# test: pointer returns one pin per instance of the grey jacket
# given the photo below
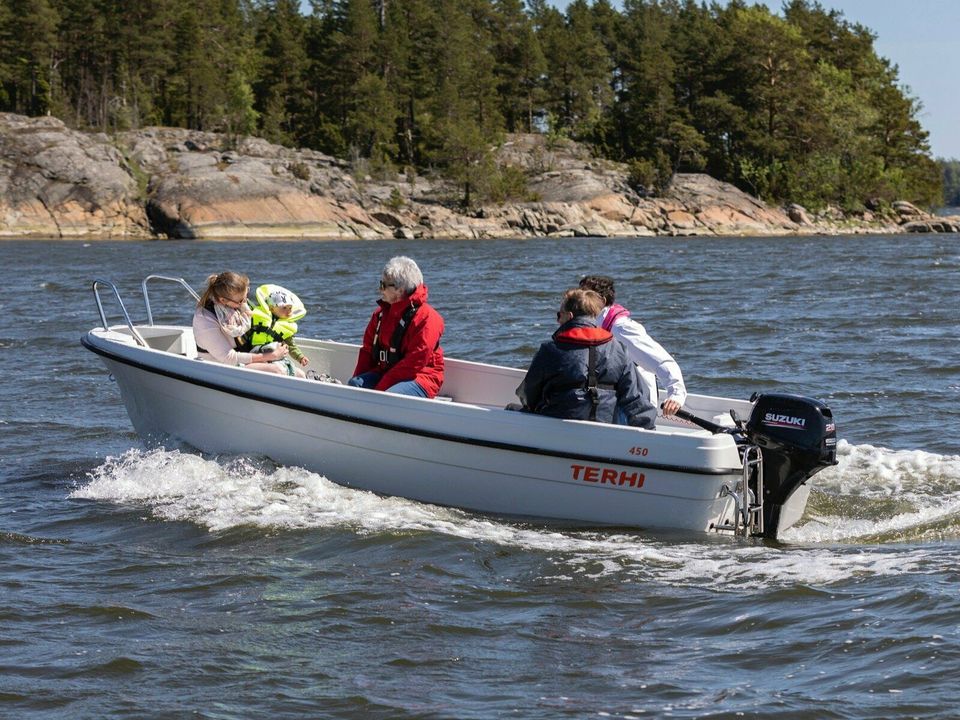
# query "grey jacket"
(556, 383)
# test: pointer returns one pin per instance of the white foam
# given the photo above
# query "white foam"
(182, 486)
(879, 472)
(229, 493)
(922, 488)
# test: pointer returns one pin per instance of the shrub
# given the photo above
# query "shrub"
(396, 200)
(300, 170)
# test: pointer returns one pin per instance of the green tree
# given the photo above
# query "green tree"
(830, 38)
(368, 105)
(951, 181)
(216, 56)
(6, 55)
(577, 85)
(767, 76)
(321, 126)
(371, 119)
(28, 40)
(909, 172)
(646, 103)
(519, 64)
(280, 87)
(463, 121)
(415, 34)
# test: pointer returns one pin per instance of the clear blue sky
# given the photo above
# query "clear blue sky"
(921, 38)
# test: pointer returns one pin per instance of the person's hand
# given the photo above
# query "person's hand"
(304, 361)
(279, 353)
(669, 407)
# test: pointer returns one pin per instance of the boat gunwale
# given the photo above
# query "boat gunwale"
(395, 427)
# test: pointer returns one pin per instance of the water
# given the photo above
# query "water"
(158, 583)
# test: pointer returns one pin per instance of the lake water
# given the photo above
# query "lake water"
(140, 583)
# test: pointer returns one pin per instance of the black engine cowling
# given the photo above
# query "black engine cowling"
(797, 437)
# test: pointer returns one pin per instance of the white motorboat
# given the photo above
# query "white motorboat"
(464, 449)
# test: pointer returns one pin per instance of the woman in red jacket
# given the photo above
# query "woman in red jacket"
(401, 350)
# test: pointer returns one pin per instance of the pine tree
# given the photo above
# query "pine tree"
(321, 124)
(413, 38)
(27, 55)
(7, 63)
(369, 107)
(519, 64)
(463, 121)
(646, 99)
(577, 85)
(210, 86)
(280, 88)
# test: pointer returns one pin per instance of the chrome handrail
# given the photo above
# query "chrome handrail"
(753, 506)
(146, 296)
(748, 504)
(103, 317)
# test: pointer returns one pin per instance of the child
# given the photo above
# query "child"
(274, 320)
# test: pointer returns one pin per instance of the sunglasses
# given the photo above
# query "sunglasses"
(384, 286)
(224, 300)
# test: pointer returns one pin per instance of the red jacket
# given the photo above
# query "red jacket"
(421, 355)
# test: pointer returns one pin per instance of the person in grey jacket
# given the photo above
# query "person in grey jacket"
(582, 372)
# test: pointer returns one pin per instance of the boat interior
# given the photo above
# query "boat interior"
(484, 385)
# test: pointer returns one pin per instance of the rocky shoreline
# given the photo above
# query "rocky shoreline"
(161, 183)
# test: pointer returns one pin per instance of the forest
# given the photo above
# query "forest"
(792, 107)
(951, 182)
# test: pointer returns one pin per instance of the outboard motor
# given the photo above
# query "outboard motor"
(797, 438)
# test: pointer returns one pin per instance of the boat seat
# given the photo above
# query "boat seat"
(188, 344)
(178, 342)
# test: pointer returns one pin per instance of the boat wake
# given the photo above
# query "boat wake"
(873, 497)
(879, 495)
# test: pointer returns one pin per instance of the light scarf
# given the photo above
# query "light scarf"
(232, 322)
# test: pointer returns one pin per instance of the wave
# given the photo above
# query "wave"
(878, 495)
(872, 498)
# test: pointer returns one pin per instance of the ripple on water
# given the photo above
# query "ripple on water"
(362, 606)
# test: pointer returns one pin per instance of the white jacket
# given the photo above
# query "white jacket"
(653, 362)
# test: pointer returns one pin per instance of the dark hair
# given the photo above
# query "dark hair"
(601, 284)
(582, 302)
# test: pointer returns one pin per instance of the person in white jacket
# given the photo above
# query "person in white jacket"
(654, 364)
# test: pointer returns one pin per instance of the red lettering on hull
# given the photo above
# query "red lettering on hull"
(601, 475)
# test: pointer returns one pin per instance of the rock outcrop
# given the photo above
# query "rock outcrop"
(55, 182)
(255, 189)
(168, 182)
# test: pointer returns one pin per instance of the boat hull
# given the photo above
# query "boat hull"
(465, 455)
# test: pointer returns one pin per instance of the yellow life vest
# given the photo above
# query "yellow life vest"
(265, 327)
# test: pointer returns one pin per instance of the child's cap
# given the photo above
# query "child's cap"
(279, 297)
